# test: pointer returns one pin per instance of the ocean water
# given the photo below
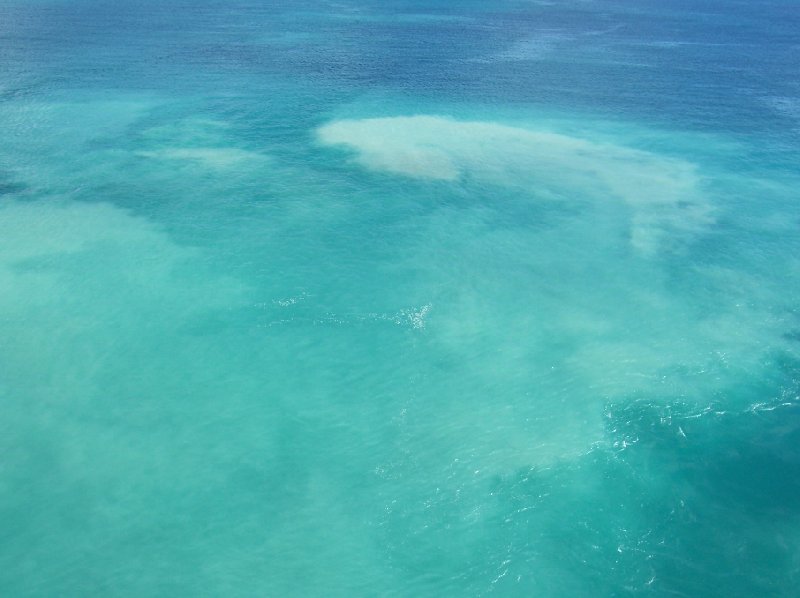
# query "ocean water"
(400, 298)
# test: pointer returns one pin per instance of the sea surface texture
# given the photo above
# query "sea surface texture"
(399, 298)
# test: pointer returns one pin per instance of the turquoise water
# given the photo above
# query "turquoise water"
(399, 299)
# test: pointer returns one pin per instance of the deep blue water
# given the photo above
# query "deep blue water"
(399, 298)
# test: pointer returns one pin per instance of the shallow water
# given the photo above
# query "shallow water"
(403, 298)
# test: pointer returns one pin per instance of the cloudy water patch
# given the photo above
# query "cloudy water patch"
(664, 193)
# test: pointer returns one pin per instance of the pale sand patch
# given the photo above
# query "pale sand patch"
(60, 253)
(663, 192)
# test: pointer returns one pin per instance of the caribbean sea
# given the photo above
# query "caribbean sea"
(411, 298)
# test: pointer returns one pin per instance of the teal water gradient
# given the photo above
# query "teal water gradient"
(399, 299)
